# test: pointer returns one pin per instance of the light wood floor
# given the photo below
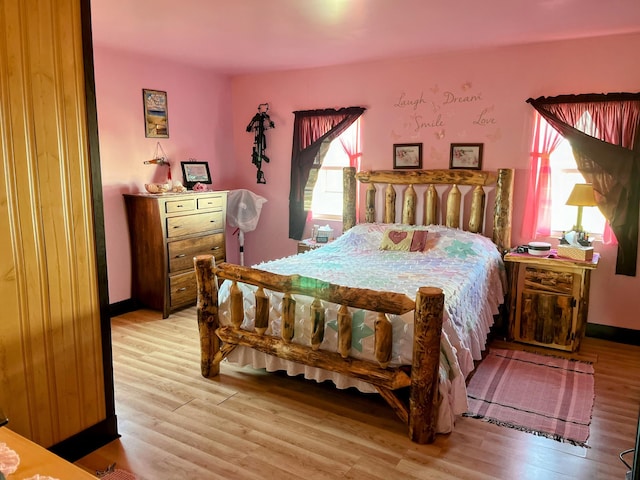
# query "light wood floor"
(247, 424)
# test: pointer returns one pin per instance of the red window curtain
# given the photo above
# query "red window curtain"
(611, 162)
(350, 142)
(310, 129)
(537, 213)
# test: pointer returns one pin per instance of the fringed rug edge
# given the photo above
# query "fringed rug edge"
(522, 428)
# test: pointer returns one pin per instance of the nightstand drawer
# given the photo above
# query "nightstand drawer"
(551, 281)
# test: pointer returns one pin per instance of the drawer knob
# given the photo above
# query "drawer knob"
(182, 289)
(215, 248)
(181, 255)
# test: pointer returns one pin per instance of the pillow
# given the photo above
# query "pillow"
(404, 240)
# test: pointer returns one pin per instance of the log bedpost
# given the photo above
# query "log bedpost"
(383, 339)
(409, 206)
(349, 192)
(236, 301)
(288, 317)
(344, 331)
(427, 329)
(261, 322)
(453, 207)
(317, 323)
(476, 219)
(389, 204)
(370, 215)
(207, 313)
(502, 211)
(430, 206)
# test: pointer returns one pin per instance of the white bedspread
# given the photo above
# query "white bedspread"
(466, 266)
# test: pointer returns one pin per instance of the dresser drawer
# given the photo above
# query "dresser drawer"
(189, 224)
(207, 203)
(182, 289)
(172, 206)
(181, 252)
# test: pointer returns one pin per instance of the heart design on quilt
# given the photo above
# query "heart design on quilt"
(396, 237)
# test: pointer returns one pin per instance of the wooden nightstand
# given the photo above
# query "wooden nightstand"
(308, 244)
(548, 300)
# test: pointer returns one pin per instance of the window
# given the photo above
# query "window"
(327, 194)
(564, 175)
(327, 198)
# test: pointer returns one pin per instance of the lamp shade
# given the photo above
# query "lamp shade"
(582, 196)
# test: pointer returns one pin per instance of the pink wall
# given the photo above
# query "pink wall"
(475, 96)
(199, 112)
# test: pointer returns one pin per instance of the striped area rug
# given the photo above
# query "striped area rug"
(112, 473)
(548, 396)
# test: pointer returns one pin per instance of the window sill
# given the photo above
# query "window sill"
(594, 237)
(331, 218)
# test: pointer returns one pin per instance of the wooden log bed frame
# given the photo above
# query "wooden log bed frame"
(420, 411)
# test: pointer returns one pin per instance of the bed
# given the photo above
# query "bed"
(398, 304)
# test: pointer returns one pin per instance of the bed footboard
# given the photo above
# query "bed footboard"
(217, 341)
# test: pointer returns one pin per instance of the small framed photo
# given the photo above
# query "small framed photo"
(466, 155)
(407, 155)
(156, 119)
(195, 172)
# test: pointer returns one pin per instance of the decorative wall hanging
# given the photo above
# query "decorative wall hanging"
(259, 123)
(466, 155)
(160, 159)
(156, 122)
(407, 155)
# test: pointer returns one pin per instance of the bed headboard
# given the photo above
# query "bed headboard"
(501, 183)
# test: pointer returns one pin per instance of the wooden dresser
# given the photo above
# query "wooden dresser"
(166, 232)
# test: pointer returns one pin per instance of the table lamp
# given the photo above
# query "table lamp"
(581, 196)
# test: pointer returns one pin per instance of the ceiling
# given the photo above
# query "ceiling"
(252, 36)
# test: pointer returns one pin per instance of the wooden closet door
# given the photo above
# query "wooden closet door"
(52, 383)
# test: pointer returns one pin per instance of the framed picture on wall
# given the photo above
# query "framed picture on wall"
(195, 172)
(407, 155)
(466, 155)
(156, 115)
